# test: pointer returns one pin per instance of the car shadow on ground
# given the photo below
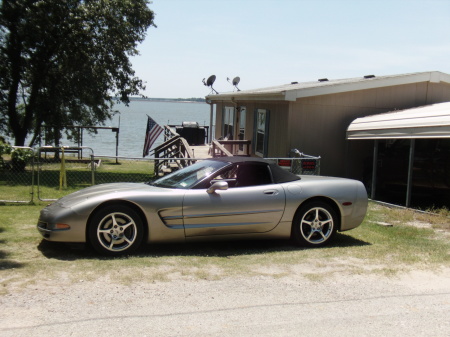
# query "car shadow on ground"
(62, 251)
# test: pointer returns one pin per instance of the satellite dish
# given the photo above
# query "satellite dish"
(235, 82)
(209, 82)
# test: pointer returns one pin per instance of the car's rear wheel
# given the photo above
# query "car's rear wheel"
(315, 224)
(115, 230)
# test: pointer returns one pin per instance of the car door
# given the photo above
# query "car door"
(249, 209)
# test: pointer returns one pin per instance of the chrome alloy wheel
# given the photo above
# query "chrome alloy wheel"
(317, 225)
(116, 232)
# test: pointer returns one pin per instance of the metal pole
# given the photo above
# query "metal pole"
(32, 174)
(117, 142)
(39, 172)
(80, 141)
(374, 169)
(410, 172)
(92, 169)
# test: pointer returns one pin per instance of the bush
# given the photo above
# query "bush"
(20, 158)
(5, 148)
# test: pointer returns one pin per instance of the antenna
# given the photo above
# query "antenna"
(209, 83)
(235, 82)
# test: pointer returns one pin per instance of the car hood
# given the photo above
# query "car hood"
(105, 191)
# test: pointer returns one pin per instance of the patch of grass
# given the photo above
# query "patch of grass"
(403, 242)
(27, 259)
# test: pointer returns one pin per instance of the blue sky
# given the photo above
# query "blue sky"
(273, 42)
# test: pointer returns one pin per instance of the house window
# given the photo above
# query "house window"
(242, 119)
(228, 123)
(262, 132)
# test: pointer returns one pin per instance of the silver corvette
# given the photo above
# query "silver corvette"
(221, 198)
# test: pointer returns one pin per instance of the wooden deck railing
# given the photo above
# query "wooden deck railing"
(218, 150)
(175, 153)
(221, 148)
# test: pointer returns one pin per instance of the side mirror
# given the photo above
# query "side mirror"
(218, 185)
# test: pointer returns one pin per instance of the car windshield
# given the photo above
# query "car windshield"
(189, 176)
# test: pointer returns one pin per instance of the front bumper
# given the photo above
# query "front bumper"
(49, 218)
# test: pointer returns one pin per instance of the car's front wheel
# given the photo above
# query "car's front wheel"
(315, 224)
(116, 230)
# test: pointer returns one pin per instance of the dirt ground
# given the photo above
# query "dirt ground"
(415, 303)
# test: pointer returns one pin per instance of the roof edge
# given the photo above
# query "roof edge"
(293, 92)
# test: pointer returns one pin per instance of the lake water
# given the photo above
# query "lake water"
(132, 121)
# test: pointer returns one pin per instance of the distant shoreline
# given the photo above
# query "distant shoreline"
(172, 100)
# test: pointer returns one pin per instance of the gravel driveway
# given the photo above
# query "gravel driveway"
(410, 304)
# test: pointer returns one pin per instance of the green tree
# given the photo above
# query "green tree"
(64, 62)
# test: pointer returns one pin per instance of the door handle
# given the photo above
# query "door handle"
(270, 192)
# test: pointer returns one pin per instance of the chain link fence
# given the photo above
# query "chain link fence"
(120, 169)
(16, 174)
(62, 170)
(57, 177)
(51, 173)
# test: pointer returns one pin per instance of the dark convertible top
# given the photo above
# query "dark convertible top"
(279, 175)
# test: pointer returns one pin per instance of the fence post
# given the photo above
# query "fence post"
(93, 169)
(33, 172)
(62, 172)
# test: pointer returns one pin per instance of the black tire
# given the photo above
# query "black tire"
(315, 224)
(116, 230)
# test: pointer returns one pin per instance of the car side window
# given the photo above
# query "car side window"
(242, 175)
(229, 176)
(253, 174)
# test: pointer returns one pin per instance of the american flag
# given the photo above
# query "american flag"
(152, 133)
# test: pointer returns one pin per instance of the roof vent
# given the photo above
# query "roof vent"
(369, 76)
(294, 82)
(323, 79)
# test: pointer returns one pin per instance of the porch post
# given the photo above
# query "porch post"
(410, 172)
(210, 121)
